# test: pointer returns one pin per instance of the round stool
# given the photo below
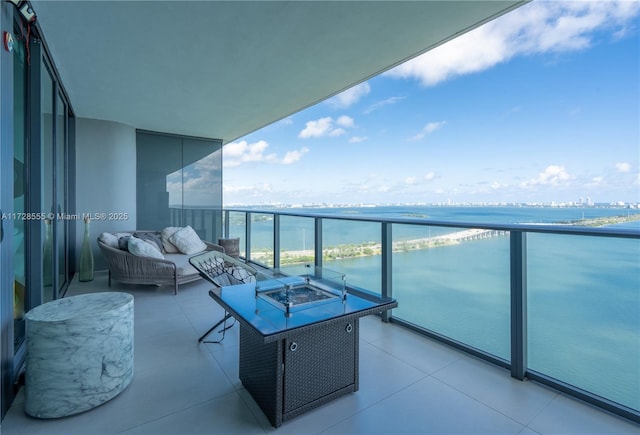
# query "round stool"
(79, 353)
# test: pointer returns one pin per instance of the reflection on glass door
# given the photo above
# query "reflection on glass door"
(19, 145)
(46, 187)
(60, 195)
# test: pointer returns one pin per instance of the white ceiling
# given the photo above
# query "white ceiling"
(224, 69)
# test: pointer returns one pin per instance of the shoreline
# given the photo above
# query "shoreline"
(368, 249)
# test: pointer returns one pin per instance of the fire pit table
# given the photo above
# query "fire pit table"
(298, 338)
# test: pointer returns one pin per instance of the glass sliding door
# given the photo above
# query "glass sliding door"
(19, 185)
(60, 191)
(35, 118)
(47, 186)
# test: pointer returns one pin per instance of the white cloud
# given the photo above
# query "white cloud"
(379, 104)
(350, 96)
(260, 187)
(433, 126)
(553, 175)
(357, 139)
(410, 180)
(326, 127)
(429, 176)
(317, 128)
(237, 153)
(294, 156)
(345, 121)
(428, 129)
(285, 121)
(536, 28)
(623, 167)
(210, 163)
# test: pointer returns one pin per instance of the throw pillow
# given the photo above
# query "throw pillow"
(187, 241)
(109, 240)
(142, 249)
(151, 238)
(165, 234)
(123, 241)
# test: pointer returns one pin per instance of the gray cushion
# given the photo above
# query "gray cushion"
(151, 238)
(181, 261)
(142, 249)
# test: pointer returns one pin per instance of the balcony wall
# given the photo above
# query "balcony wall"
(105, 177)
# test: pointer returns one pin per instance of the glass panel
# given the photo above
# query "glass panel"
(297, 240)
(19, 144)
(179, 183)
(583, 316)
(202, 187)
(455, 282)
(159, 181)
(262, 238)
(61, 229)
(47, 187)
(237, 228)
(353, 248)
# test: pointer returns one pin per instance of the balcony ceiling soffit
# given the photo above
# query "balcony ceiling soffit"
(224, 69)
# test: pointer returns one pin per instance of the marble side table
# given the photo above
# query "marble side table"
(79, 353)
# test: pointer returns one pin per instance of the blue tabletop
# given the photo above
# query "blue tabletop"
(269, 318)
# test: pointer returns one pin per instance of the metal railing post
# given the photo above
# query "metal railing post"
(518, 255)
(387, 263)
(276, 241)
(226, 223)
(317, 234)
(247, 236)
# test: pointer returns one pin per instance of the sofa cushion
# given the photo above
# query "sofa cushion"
(183, 267)
(109, 240)
(165, 234)
(142, 249)
(123, 240)
(187, 241)
(152, 238)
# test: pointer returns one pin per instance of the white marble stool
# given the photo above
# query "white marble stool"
(79, 353)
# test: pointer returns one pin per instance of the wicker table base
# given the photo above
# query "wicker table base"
(301, 371)
(296, 357)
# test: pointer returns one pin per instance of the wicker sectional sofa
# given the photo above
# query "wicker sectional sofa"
(174, 269)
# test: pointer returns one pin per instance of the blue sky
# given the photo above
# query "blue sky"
(540, 105)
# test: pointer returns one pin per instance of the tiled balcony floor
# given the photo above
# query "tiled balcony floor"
(408, 384)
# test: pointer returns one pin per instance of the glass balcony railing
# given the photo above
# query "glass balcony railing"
(431, 276)
(353, 247)
(556, 304)
(297, 241)
(583, 328)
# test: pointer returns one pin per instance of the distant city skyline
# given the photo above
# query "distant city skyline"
(540, 105)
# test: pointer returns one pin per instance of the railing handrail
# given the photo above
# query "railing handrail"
(628, 233)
